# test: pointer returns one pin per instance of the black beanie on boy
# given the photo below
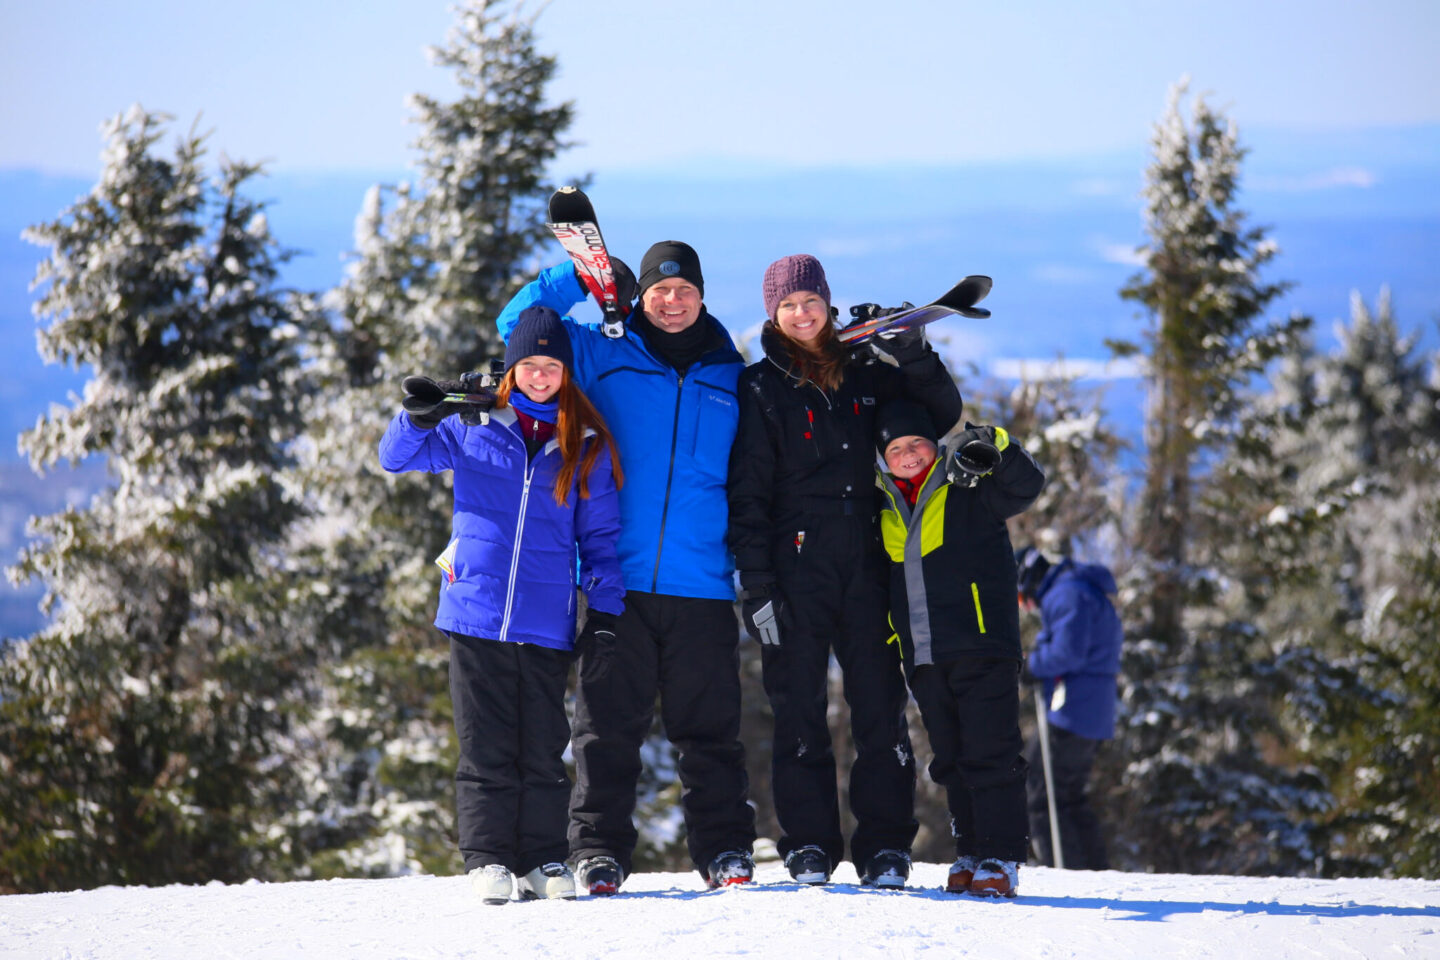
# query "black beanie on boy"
(902, 418)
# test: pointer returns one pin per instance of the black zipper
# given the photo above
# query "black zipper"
(669, 481)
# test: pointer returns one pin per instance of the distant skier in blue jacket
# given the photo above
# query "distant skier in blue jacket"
(667, 387)
(533, 487)
(1077, 656)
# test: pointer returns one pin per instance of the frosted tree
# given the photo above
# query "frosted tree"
(1201, 289)
(143, 732)
(1080, 511)
(435, 262)
(1353, 530)
(1199, 791)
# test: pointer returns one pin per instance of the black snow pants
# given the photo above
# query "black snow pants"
(833, 579)
(1071, 758)
(971, 711)
(685, 650)
(511, 788)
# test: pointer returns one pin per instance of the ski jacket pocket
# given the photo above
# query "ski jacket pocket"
(717, 416)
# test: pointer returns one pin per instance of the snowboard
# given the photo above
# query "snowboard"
(958, 301)
(572, 221)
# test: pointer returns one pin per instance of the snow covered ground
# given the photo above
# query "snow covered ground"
(658, 916)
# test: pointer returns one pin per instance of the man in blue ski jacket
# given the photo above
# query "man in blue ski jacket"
(1077, 657)
(666, 389)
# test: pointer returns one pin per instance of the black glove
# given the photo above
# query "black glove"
(596, 643)
(625, 285)
(977, 449)
(762, 608)
(905, 346)
(480, 396)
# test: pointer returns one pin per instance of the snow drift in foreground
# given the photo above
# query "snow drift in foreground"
(662, 915)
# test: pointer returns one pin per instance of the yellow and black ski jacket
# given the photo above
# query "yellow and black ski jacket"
(952, 571)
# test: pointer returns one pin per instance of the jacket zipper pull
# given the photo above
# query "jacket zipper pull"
(810, 418)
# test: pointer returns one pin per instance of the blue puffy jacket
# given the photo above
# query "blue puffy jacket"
(1078, 648)
(674, 435)
(509, 571)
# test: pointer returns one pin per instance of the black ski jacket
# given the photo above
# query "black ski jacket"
(952, 572)
(802, 453)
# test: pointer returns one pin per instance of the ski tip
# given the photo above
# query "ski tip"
(568, 190)
(979, 283)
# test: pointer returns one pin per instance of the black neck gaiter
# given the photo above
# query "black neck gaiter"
(680, 350)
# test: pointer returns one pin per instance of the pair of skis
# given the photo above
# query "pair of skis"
(572, 220)
(473, 394)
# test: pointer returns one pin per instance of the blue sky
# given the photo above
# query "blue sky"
(719, 86)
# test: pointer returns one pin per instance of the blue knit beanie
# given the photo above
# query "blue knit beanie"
(539, 333)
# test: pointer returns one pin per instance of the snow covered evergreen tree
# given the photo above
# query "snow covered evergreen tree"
(1063, 426)
(1350, 549)
(430, 275)
(143, 731)
(1200, 792)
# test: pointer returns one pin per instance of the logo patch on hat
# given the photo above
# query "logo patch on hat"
(670, 268)
(542, 341)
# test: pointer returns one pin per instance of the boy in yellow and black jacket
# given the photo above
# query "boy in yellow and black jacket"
(954, 610)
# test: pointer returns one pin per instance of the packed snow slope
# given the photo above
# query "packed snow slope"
(1115, 916)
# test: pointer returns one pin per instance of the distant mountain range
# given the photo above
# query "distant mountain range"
(1351, 210)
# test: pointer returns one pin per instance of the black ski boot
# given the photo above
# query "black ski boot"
(808, 865)
(888, 870)
(729, 868)
(600, 876)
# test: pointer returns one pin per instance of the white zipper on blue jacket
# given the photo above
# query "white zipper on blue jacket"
(515, 557)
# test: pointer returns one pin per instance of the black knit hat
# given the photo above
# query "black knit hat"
(667, 259)
(1031, 567)
(539, 333)
(902, 418)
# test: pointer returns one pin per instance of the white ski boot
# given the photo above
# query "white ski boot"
(491, 883)
(553, 881)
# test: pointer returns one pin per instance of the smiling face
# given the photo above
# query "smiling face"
(909, 457)
(672, 305)
(539, 377)
(802, 315)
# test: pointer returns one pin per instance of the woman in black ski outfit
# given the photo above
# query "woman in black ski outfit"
(813, 575)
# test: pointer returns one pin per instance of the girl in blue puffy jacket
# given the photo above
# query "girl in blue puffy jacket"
(534, 486)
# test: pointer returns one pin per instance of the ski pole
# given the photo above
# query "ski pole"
(1043, 722)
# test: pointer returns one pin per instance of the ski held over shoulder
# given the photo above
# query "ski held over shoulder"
(958, 301)
(572, 221)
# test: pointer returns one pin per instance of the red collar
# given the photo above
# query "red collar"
(533, 430)
(909, 489)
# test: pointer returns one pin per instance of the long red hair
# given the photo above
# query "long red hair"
(576, 414)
